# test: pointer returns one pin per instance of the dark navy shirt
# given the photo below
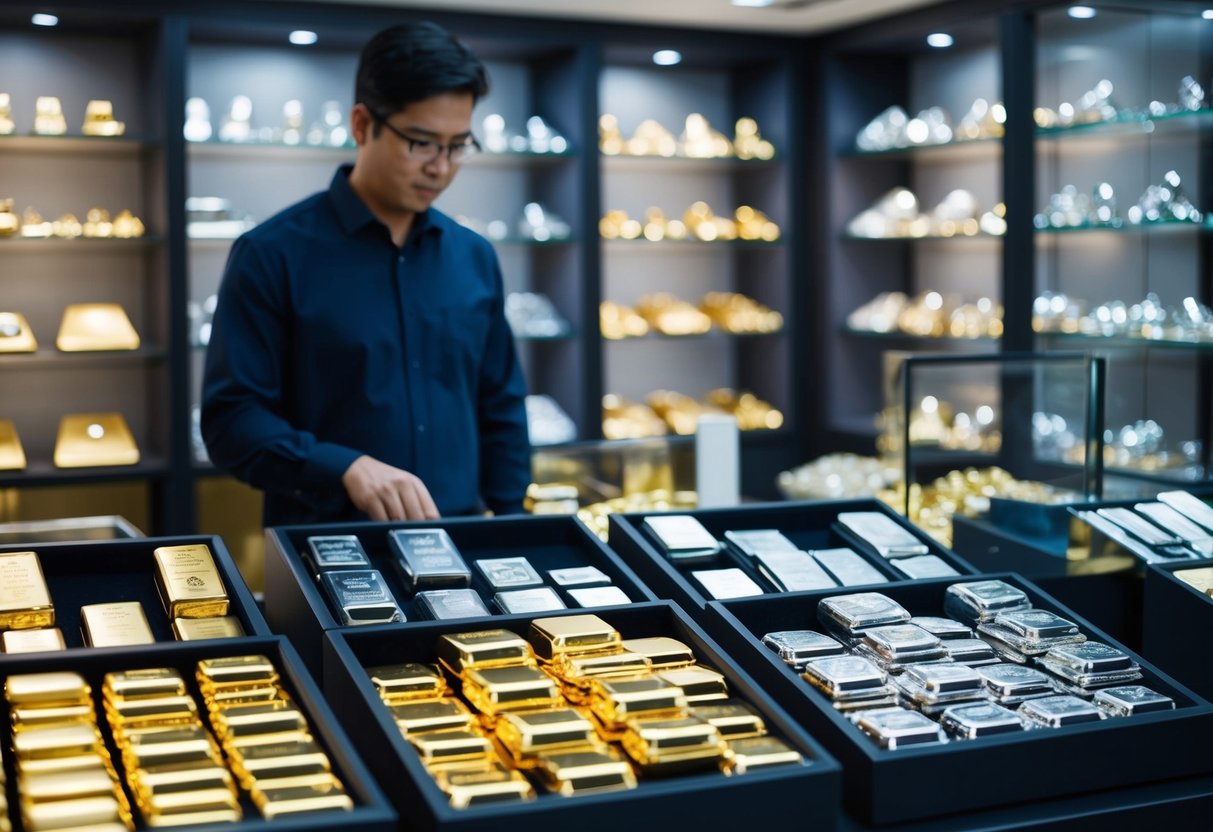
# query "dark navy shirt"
(330, 342)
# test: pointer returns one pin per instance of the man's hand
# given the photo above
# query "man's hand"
(387, 493)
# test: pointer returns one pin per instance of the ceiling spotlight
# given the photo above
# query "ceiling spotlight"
(940, 40)
(667, 57)
(302, 37)
(44, 20)
(752, 4)
(1081, 12)
(1207, 14)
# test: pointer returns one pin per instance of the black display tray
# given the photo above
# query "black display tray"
(297, 607)
(103, 571)
(1176, 622)
(810, 525)
(926, 781)
(808, 793)
(371, 812)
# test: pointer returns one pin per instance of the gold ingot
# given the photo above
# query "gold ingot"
(81, 813)
(732, 718)
(671, 316)
(460, 652)
(195, 629)
(10, 223)
(617, 321)
(189, 583)
(403, 682)
(97, 223)
(758, 753)
(455, 745)
(552, 637)
(99, 119)
(115, 624)
(525, 735)
(495, 690)
(431, 715)
(699, 684)
(48, 116)
(92, 782)
(34, 226)
(153, 682)
(67, 227)
(94, 439)
(15, 333)
(235, 672)
(60, 687)
(277, 803)
(127, 226)
(96, 327)
(572, 773)
(25, 603)
(622, 419)
(49, 742)
(653, 740)
(31, 641)
(492, 783)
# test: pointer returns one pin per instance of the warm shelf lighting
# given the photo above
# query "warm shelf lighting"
(940, 40)
(1081, 12)
(667, 57)
(41, 19)
(752, 4)
(302, 37)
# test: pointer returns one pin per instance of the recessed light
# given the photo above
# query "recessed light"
(1081, 12)
(1207, 14)
(752, 4)
(667, 57)
(302, 37)
(44, 20)
(940, 40)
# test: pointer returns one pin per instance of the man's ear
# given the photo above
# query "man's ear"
(361, 124)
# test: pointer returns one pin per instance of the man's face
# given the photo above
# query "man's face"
(408, 168)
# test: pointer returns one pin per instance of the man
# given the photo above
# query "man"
(360, 364)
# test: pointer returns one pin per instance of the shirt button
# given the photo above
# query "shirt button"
(416, 365)
(421, 428)
(400, 259)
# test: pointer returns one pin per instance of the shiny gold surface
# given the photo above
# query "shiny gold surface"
(195, 629)
(33, 641)
(60, 687)
(551, 637)
(25, 601)
(754, 753)
(452, 745)
(96, 327)
(430, 715)
(492, 690)
(84, 812)
(12, 455)
(15, 333)
(271, 718)
(57, 741)
(99, 119)
(145, 682)
(401, 682)
(491, 784)
(152, 710)
(483, 648)
(115, 625)
(526, 734)
(699, 684)
(572, 773)
(276, 803)
(614, 702)
(732, 718)
(662, 652)
(94, 782)
(189, 582)
(94, 439)
(231, 672)
(25, 717)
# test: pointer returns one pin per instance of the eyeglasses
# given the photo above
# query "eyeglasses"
(424, 150)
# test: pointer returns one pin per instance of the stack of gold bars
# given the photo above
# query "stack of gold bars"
(65, 776)
(578, 708)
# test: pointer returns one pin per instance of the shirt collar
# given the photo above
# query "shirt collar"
(353, 214)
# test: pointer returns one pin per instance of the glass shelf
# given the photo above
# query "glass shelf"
(1132, 125)
(1129, 341)
(906, 336)
(76, 144)
(926, 237)
(682, 164)
(45, 473)
(1166, 226)
(713, 333)
(970, 150)
(44, 358)
(78, 244)
(650, 246)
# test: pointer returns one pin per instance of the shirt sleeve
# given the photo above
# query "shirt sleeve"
(505, 450)
(244, 420)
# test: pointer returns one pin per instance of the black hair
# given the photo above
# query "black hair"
(412, 62)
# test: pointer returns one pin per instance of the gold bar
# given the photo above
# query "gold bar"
(236, 672)
(152, 682)
(88, 440)
(196, 818)
(173, 747)
(700, 684)
(238, 745)
(90, 782)
(401, 682)
(448, 746)
(584, 772)
(55, 765)
(25, 600)
(90, 327)
(484, 648)
(94, 827)
(753, 753)
(81, 812)
(196, 629)
(652, 740)
(152, 710)
(279, 760)
(492, 690)
(115, 625)
(15, 333)
(179, 802)
(732, 718)
(276, 803)
(60, 687)
(188, 582)
(270, 718)
(164, 781)
(12, 455)
(57, 741)
(572, 634)
(473, 787)
(579, 669)
(662, 652)
(530, 733)
(25, 717)
(614, 702)
(224, 699)
(33, 641)
(431, 715)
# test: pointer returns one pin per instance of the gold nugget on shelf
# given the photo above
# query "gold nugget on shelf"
(67, 227)
(33, 225)
(12, 455)
(702, 224)
(15, 334)
(700, 141)
(651, 139)
(7, 126)
(617, 225)
(617, 321)
(86, 440)
(671, 316)
(99, 119)
(680, 411)
(736, 313)
(96, 327)
(610, 138)
(748, 143)
(48, 116)
(97, 223)
(127, 226)
(10, 223)
(755, 225)
(623, 419)
(751, 412)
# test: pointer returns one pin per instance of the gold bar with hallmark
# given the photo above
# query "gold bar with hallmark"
(700, 684)
(277, 803)
(492, 784)
(572, 773)
(25, 600)
(150, 682)
(196, 629)
(663, 653)
(615, 701)
(755, 753)
(528, 734)
(492, 690)
(189, 582)
(573, 634)
(231, 672)
(436, 747)
(733, 718)
(402, 682)
(483, 648)
(25, 717)
(115, 625)
(57, 687)
(33, 641)
(431, 715)
(249, 720)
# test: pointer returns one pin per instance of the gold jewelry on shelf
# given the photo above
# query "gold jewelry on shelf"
(67, 227)
(736, 313)
(127, 226)
(32, 224)
(707, 226)
(10, 223)
(7, 126)
(48, 116)
(92, 327)
(15, 334)
(97, 223)
(680, 411)
(12, 455)
(610, 139)
(623, 419)
(755, 225)
(99, 119)
(618, 321)
(700, 141)
(651, 139)
(671, 316)
(748, 143)
(751, 412)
